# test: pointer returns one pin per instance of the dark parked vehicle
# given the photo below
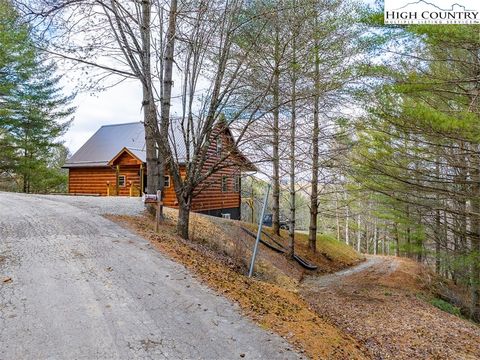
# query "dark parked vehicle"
(268, 221)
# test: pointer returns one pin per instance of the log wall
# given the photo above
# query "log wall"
(208, 196)
(94, 180)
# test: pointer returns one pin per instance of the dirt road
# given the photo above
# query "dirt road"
(381, 303)
(319, 282)
(74, 285)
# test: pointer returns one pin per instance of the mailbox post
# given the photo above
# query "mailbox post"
(159, 209)
(157, 200)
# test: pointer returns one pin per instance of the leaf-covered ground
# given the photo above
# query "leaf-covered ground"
(379, 309)
(384, 307)
(278, 308)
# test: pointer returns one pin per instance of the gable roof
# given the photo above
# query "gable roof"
(109, 140)
(134, 153)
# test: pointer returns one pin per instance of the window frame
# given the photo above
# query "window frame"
(224, 178)
(164, 181)
(124, 181)
(236, 183)
(219, 145)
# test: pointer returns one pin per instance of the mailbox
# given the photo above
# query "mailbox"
(149, 198)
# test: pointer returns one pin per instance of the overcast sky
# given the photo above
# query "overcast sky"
(120, 104)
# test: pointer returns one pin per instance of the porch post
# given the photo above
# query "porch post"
(142, 185)
(117, 173)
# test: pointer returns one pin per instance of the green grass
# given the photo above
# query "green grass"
(445, 306)
(328, 246)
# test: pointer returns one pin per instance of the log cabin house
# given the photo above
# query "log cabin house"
(113, 163)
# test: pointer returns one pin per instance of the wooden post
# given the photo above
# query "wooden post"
(131, 188)
(159, 208)
(108, 188)
(117, 173)
(142, 185)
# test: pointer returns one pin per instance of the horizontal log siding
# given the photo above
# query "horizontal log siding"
(209, 194)
(94, 180)
(169, 196)
(126, 159)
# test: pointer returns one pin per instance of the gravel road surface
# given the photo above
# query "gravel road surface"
(316, 281)
(74, 285)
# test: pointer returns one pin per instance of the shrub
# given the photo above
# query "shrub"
(445, 306)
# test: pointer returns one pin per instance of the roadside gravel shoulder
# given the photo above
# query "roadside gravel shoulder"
(100, 205)
(83, 287)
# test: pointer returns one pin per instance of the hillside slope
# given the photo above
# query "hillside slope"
(218, 254)
(386, 307)
(374, 309)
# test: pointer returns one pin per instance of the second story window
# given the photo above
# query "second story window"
(224, 183)
(236, 183)
(219, 146)
(167, 181)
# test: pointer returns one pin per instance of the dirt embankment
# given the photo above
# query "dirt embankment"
(376, 309)
(277, 307)
(385, 307)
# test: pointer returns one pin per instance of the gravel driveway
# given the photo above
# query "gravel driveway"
(319, 282)
(74, 285)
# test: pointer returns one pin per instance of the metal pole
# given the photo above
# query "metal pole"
(260, 224)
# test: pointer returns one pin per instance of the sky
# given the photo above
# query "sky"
(119, 104)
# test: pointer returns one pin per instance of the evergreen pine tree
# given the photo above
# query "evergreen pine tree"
(33, 109)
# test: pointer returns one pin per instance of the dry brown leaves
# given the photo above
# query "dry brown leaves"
(273, 307)
(383, 308)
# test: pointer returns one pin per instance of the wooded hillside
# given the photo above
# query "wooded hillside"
(378, 126)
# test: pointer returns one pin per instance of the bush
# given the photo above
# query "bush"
(445, 306)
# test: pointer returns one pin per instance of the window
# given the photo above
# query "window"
(226, 216)
(219, 146)
(236, 183)
(167, 181)
(224, 184)
(122, 180)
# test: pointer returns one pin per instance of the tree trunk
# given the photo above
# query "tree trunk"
(475, 240)
(383, 241)
(276, 139)
(337, 219)
(253, 203)
(375, 238)
(150, 124)
(183, 217)
(409, 238)
(25, 183)
(397, 240)
(359, 235)
(293, 120)
(437, 242)
(164, 153)
(148, 104)
(312, 230)
(347, 224)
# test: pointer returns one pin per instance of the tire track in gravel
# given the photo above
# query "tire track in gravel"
(83, 287)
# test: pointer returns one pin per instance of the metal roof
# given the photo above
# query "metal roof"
(107, 142)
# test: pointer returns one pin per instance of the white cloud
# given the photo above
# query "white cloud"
(119, 104)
